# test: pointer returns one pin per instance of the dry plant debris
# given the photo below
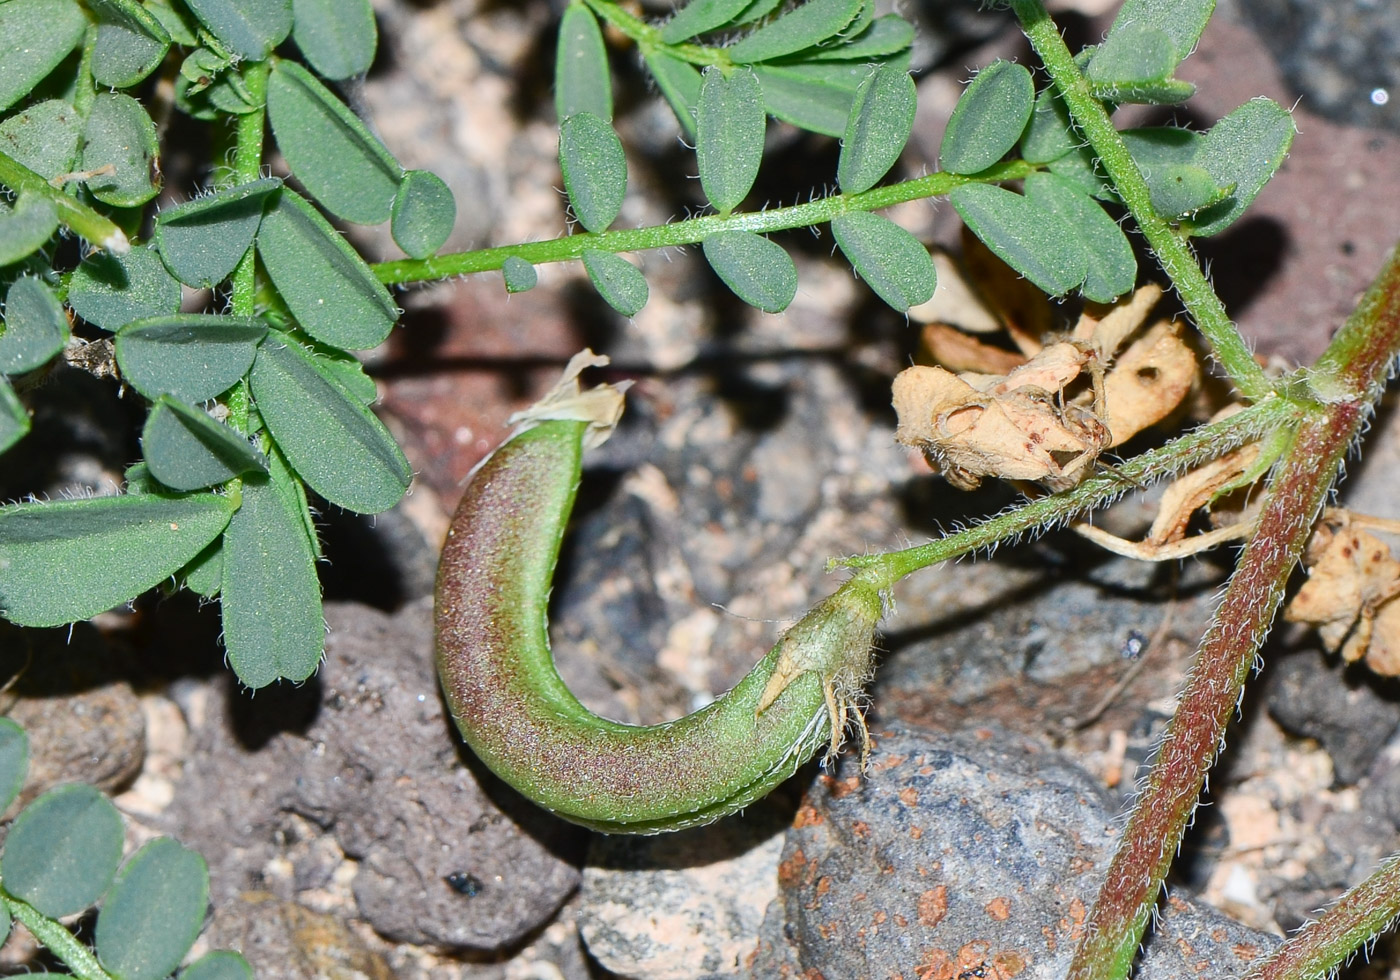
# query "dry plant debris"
(1044, 414)
(1349, 596)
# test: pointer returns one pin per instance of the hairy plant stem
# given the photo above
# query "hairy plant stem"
(1354, 368)
(77, 217)
(247, 167)
(1195, 448)
(1172, 248)
(691, 230)
(648, 38)
(57, 939)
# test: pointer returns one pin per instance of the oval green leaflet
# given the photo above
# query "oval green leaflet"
(758, 271)
(594, 168)
(329, 149)
(881, 119)
(893, 263)
(989, 118)
(729, 128)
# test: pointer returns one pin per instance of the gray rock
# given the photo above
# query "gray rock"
(376, 766)
(976, 854)
(1315, 697)
(682, 906)
(1342, 55)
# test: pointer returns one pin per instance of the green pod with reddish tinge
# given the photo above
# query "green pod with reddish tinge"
(519, 717)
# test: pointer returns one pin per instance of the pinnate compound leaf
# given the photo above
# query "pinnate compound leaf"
(729, 135)
(67, 561)
(50, 29)
(882, 117)
(203, 240)
(332, 441)
(700, 17)
(185, 449)
(338, 37)
(1024, 235)
(423, 214)
(130, 43)
(327, 286)
(14, 760)
(43, 137)
(1111, 265)
(193, 356)
(35, 328)
(270, 595)
(679, 82)
(594, 167)
(759, 271)
(520, 276)
(1243, 150)
(891, 261)
(63, 850)
(119, 134)
(110, 291)
(154, 912)
(221, 964)
(14, 420)
(27, 227)
(249, 28)
(989, 118)
(329, 149)
(582, 82)
(619, 282)
(803, 27)
(885, 36)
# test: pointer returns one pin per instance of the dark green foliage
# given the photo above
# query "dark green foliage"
(619, 282)
(594, 168)
(581, 79)
(891, 261)
(343, 165)
(338, 37)
(729, 129)
(202, 240)
(62, 850)
(758, 271)
(154, 911)
(988, 119)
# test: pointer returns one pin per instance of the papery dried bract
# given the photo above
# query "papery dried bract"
(1352, 579)
(1016, 427)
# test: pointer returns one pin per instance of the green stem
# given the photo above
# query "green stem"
(57, 939)
(247, 167)
(692, 230)
(648, 38)
(72, 214)
(1300, 486)
(1200, 446)
(1172, 248)
(1320, 947)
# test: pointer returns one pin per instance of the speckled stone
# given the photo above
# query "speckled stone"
(969, 855)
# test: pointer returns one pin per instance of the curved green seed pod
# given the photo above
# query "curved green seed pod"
(522, 721)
